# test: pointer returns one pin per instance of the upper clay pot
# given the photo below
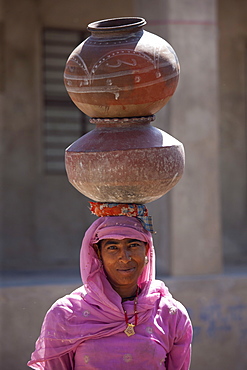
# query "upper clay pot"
(121, 70)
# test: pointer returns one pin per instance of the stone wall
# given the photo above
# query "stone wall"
(233, 128)
(43, 216)
(190, 222)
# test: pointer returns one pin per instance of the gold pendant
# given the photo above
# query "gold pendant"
(130, 330)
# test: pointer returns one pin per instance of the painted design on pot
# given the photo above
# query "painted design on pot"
(102, 79)
(120, 62)
(113, 74)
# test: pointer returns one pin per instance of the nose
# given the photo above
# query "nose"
(125, 255)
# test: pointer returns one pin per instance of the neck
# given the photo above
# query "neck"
(126, 292)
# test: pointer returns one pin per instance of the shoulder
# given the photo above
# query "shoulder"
(176, 315)
(167, 304)
(172, 307)
(66, 306)
(172, 311)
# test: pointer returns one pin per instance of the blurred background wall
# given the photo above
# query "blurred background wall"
(201, 239)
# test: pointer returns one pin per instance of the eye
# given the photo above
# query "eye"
(135, 245)
(111, 247)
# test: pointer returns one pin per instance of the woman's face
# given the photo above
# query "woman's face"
(123, 260)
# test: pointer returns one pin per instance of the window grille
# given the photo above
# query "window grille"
(63, 121)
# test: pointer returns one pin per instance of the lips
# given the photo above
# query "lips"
(129, 269)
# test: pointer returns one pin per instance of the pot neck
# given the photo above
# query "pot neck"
(122, 122)
(116, 27)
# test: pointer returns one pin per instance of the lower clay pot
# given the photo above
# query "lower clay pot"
(125, 161)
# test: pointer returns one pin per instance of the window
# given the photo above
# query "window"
(63, 121)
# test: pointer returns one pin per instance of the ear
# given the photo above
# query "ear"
(97, 251)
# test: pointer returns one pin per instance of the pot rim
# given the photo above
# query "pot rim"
(116, 24)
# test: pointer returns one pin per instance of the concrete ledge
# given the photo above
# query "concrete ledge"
(217, 305)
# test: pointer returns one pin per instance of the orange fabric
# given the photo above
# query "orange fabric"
(116, 209)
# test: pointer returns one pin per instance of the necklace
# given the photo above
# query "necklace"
(130, 327)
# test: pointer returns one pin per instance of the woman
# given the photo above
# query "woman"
(121, 318)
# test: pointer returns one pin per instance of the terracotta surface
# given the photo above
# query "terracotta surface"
(121, 70)
(125, 160)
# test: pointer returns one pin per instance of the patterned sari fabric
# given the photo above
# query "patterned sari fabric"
(85, 329)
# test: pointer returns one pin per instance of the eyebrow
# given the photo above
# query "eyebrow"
(117, 241)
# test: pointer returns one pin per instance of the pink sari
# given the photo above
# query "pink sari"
(95, 310)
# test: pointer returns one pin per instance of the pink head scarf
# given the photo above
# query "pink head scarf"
(114, 227)
(95, 310)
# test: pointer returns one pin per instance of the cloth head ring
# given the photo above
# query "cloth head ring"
(123, 209)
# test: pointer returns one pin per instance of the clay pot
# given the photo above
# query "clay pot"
(121, 70)
(125, 161)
